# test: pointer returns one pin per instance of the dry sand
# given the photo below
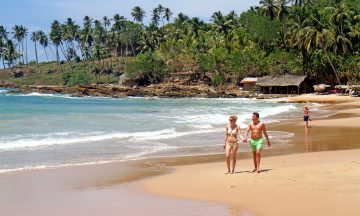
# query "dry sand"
(317, 183)
(332, 98)
(322, 183)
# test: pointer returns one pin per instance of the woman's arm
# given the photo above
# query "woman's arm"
(246, 133)
(239, 132)
(226, 136)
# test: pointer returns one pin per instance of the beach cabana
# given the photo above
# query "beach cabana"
(284, 84)
(321, 87)
(248, 83)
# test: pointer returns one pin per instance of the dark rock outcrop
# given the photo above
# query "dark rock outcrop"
(160, 90)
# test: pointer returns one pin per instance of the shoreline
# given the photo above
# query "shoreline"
(107, 176)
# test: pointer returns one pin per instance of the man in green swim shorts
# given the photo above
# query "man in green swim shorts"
(257, 129)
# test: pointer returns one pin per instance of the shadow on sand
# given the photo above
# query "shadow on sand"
(247, 171)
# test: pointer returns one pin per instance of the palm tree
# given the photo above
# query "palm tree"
(341, 18)
(70, 32)
(270, 7)
(222, 24)
(283, 9)
(155, 16)
(151, 38)
(355, 31)
(56, 37)
(20, 33)
(138, 13)
(44, 42)
(217, 17)
(86, 38)
(116, 31)
(302, 2)
(35, 38)
(167, 14)
(316, 37)
(196, 25)
(283, 12)
(160, 10)
(10, 53)
(106, 22)
(3, 40)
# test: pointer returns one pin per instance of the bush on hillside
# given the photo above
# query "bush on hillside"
(147, 67)
(75, 78)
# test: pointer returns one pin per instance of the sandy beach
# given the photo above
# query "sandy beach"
(316, 183)
(322, 183)
(317, 174)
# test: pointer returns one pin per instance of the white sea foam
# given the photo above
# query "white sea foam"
(243, 116)
(277, 110)
(174, 134)
(67, 138)
(146, 149)
(3, 91)
(37, 94)
(41, 167)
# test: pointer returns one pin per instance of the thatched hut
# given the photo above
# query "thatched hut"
(248, 83)
(284, 84)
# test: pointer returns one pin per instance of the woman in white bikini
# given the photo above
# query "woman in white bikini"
(231, 141)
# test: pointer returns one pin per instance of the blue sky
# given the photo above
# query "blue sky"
(38, 14)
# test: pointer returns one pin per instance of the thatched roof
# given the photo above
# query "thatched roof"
(355, 87)
(249, 80)
(284, 80)
(342, 87)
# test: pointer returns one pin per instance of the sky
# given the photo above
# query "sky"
(39, 14)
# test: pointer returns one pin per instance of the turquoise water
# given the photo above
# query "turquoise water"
(44, 130)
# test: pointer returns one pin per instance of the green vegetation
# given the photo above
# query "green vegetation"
(318, 38)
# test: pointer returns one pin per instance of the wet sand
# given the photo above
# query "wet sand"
(113, 189)
(107, 189)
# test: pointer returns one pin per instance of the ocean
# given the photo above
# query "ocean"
(40, 131)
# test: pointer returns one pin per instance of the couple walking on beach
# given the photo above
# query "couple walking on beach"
(231, 141)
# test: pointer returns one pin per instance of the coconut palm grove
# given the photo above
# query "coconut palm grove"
(316, 38)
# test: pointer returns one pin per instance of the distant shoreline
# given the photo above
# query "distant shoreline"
(164, 90)
(168, 90)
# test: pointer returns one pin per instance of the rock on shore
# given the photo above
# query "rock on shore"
(159, 90)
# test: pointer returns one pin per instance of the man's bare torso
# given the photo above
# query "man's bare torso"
(256, 130)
